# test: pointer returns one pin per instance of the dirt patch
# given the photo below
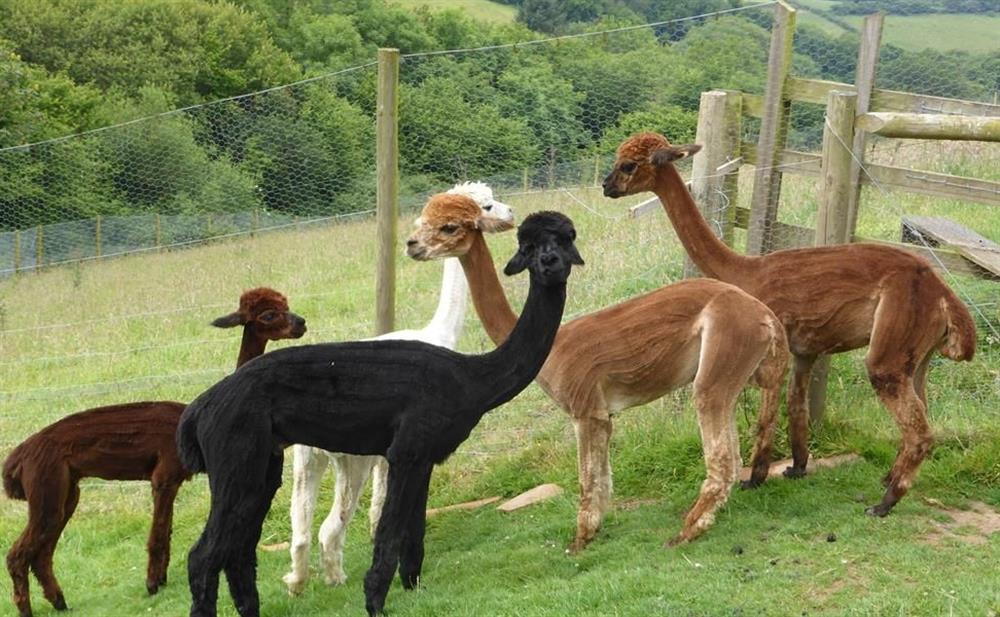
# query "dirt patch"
(972, 526)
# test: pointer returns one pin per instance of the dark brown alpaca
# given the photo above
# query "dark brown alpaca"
(830, 299)
(134, 441)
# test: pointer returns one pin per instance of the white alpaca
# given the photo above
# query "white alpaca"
(353, 471)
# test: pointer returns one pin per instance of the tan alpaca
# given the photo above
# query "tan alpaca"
(830, 299)
(700, 331)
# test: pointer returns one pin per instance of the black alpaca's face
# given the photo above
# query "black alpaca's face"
(546, 247)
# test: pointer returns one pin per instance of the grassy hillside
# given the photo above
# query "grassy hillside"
(136, 328)
(483, 10)
(967, 32)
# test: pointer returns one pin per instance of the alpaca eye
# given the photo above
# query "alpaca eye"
(268, 317)
(628, 167)
(449, 229)
(488, 208)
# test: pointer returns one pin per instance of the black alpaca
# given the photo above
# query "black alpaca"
(412, 402)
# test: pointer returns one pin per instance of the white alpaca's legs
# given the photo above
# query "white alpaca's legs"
(307, 468)
(380, 482)
(352, 473)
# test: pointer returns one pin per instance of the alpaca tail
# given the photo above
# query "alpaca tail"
(188, 447)
(960, 339)
(12, 475)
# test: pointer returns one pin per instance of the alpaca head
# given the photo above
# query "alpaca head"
(482, 194)
(448, 225)
(267, 312)
(638, 159)
(545, 246)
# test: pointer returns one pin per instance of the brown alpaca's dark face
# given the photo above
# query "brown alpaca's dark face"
(637, 160)
(267, 312)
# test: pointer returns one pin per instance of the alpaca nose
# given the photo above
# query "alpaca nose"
(549, 259)
(411, 242)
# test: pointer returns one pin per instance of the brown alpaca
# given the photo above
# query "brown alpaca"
(134, 441)
(629, 354)
(830, 299)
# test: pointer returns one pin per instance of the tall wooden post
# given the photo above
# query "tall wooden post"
(387, 196)
(773, 129)
(715, 193)
(833, 220)
(864, 82)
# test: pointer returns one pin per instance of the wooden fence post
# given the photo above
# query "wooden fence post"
(773, 129)
(387, 200)
(833, 219)
(97, 236)
(715, 193)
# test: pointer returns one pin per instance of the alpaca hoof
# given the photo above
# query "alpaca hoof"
(675, 541)
(335, 577)
(59, 603)
(878, 510)
(577, 545)
(750, 484)
(295, 584)
(25, 612)
(152, 588)
(794, 473)
(410, 581)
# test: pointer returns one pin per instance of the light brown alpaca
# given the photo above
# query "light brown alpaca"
(830, 299)
(629, 354)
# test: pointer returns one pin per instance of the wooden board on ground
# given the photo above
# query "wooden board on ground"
(939, 231)
(778, 467)
(468, 505)
(533, 496)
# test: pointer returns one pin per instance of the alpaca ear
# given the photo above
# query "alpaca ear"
(516, 264)
(491, 225)
(574, 255)
(673, 153)
(228, 321)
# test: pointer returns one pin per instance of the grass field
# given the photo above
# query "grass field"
(137, 328)
(963, 31)
(482, 10)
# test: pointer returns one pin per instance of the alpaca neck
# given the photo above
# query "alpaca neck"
(450, 314)
(251, 346)
(488, 296)
(706, 250)
(516, 362)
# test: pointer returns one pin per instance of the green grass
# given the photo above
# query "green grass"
(768, 553)
(482, 10)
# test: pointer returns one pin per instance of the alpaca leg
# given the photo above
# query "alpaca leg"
(241, 560)
(403, 494)
(164, 492)
(352, 474)
(411, 555)
(767, 418)
(718, 424)
(307, 470)
(43, 563)
(593, 437)
(380, 479)
(798, 414)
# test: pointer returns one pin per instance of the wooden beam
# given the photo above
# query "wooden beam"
(773, 129)
(816, 90)
(864, 82)
(387, 193)
(930, 126)
(935, 184)
(937, 231)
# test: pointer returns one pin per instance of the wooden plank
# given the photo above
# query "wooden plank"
(540, 493)
(938, 231)
(777, 468)
(816, 90)
(767, 178)
(468, 505)
(789, 161)
(387, 192)
(940, 258)
(864, 81)
(753, 105)
(935, 184)
(785, 236)
(930, 126)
